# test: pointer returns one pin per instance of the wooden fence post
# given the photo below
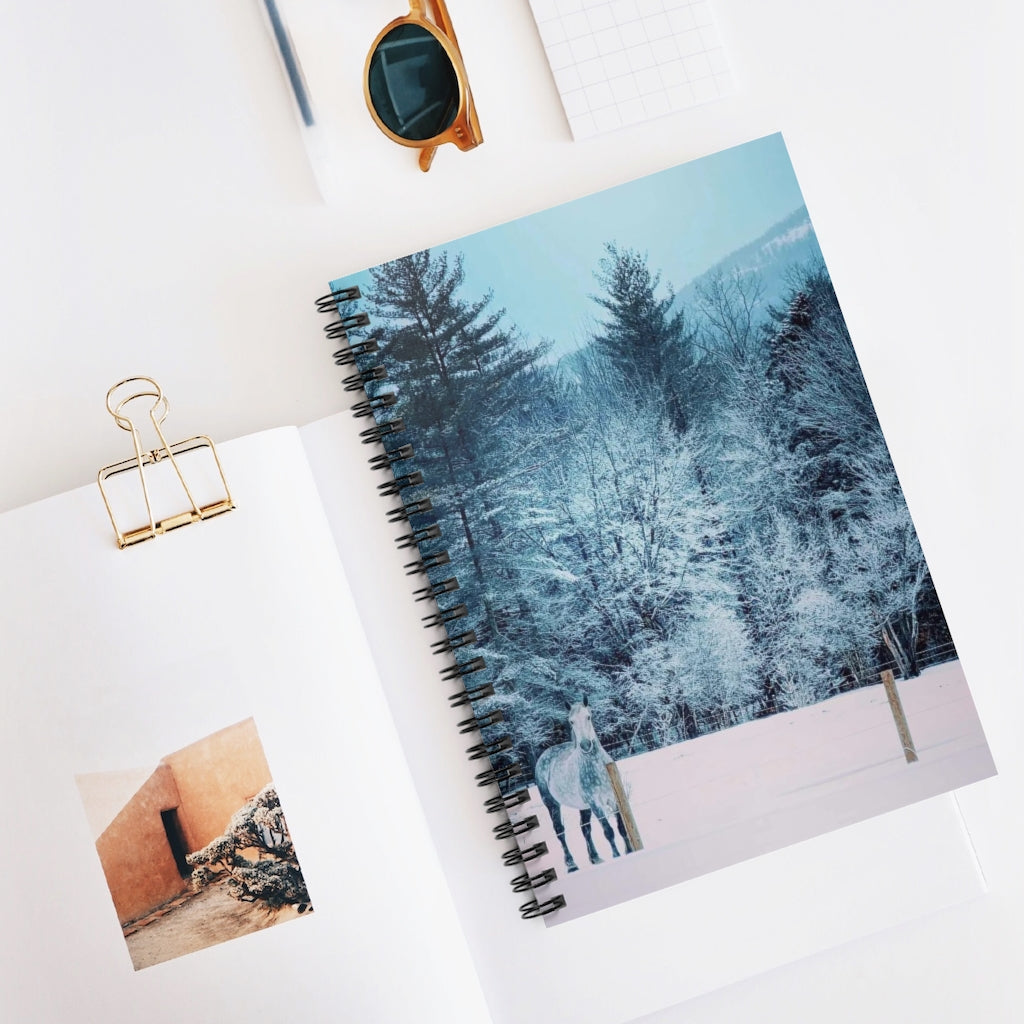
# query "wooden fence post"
(624, 809)
(896, 707)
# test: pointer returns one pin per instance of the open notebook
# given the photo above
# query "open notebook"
(255, 696)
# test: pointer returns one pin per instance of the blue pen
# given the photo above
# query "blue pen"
(314, 135)
(292, 68)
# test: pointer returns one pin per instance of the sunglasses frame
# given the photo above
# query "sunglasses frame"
(464, 131)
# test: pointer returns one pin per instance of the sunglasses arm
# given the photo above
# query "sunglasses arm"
(441, 17)
(427, 157)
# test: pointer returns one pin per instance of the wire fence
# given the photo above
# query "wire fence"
(648, 738)
(937, 655)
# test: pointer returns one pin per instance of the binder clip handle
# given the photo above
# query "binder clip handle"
(147, 387)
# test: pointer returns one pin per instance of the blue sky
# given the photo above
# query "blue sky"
(541, 267)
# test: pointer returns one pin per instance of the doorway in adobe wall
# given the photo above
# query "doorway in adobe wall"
(176, 839)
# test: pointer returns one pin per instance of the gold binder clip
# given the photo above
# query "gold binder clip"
(146, 387)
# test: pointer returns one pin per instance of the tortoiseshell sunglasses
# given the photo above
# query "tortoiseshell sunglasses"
(416, 85)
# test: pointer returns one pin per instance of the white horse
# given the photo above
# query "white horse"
(574, 775)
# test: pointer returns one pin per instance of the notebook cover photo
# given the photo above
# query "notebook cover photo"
(688, 609)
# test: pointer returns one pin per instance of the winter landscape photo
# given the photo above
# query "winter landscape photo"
(195, 848)
(672, 539)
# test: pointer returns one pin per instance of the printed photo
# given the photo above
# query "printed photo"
(195, 847)
(671, 528)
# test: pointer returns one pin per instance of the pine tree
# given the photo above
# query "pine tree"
(812, 359)
(463, 373)
(874, 558)
(788, 344)
(650, 346)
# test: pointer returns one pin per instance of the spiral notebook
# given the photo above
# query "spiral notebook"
(263, 673)
(644, 488)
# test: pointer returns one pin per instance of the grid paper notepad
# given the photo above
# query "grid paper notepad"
(620, 62)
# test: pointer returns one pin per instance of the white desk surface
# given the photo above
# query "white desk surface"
(159, 217)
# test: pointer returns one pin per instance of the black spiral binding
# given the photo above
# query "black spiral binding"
(466, 671)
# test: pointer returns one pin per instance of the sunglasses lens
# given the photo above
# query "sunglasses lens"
(413, 87)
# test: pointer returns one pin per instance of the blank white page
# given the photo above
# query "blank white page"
(620, 62)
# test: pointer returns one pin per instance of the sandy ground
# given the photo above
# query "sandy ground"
(210, 917)
(723, 798)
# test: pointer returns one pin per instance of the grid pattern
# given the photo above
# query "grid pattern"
(620, 62)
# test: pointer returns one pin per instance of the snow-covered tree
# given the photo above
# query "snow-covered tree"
(805, 633)
(731, 308)
(619, 545)
(646, 338)
(692, 519)
(256, 854)
(464, 373)
(880, 567)
(875, 557)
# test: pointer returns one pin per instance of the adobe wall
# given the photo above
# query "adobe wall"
(136, 857)
(215, 777)
(206, 782)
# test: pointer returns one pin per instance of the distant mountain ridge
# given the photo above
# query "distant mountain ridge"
(790, 242)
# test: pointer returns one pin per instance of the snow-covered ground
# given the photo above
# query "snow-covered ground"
(713, 801)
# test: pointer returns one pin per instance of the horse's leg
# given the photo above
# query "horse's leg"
(622, 832)
(609, 832)
(555, 810)
(585, 826)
